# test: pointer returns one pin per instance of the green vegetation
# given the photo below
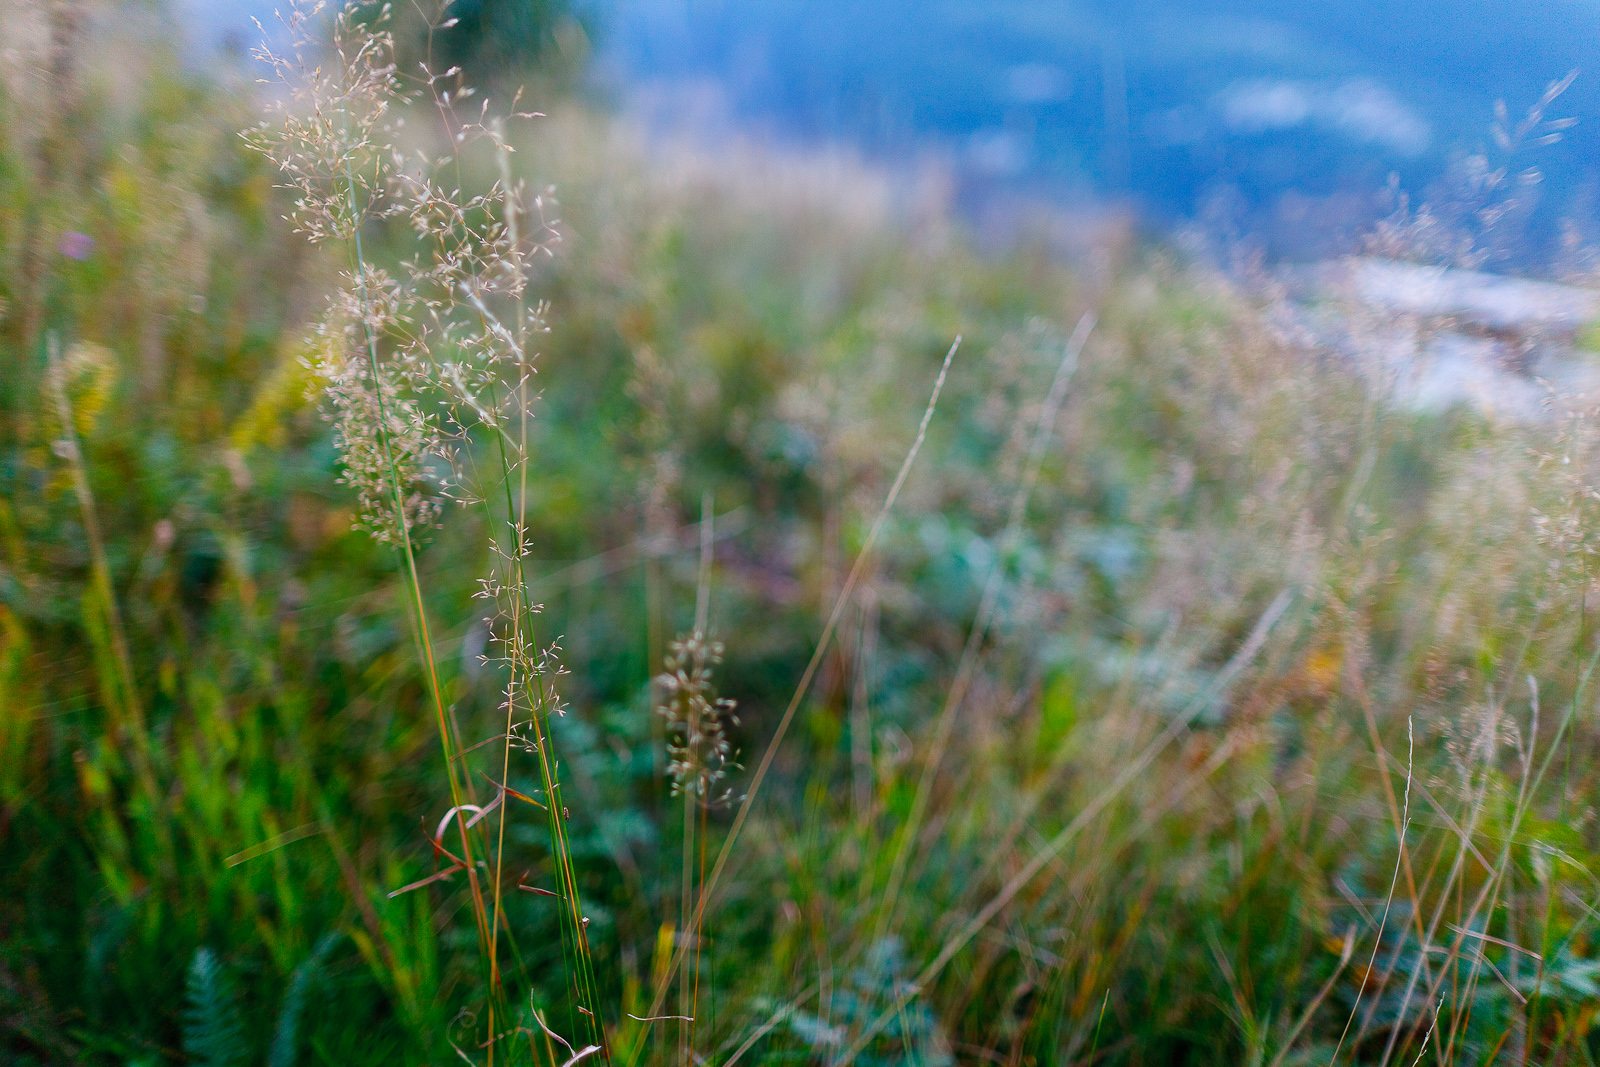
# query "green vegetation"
(1189, 705)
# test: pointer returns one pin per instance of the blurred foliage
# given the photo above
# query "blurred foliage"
(542, 45)
(211, 780)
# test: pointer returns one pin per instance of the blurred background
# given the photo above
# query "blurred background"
(1217, 690)
(1283, 123)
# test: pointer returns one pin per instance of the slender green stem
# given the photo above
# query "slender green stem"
(525, 657)
(708, 884)
(450, 743)
(686, 933)
(126, 706)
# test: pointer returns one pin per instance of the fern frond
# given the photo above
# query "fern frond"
(213, 1031)
(302, 982)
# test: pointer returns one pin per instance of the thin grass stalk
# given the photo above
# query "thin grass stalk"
(967, 667)
(1451, 881)
(1402, 828)
(708, 886)
(1524, 796)
(126, 707)
(1121, 701)
(1497, 872)
(956, 942)
(1489, 894)
(694, 1000)
(1461, 1019)
(1370, 716)
(575, 945)
(1531, 1009)
(689, 926)
(686, 935)
(588, 1003)
(583, 978)
(575, 936)
(509, 206)
(862, 784)
(450, 743)
(496, 990)
(772, 1021)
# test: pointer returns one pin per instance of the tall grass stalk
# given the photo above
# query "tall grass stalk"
(709, 884)
(689, 980)
(967, 665)
(457, 360)
(129, 725)
(1402, 827)
(449, 741)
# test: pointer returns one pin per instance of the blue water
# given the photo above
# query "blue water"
(1286, 118)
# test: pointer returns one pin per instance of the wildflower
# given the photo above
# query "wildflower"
(75, 245)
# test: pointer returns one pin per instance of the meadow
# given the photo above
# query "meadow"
(488, 587)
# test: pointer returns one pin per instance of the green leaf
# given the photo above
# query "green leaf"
(213, 1032)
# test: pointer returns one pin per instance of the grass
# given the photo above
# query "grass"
(1156, 694)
